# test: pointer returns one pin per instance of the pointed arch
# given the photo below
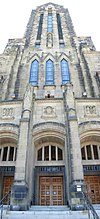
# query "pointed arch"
(49, 72)
(65, 71)
(34, 72)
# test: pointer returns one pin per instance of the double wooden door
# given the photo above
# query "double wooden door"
(51, 190)
(7, 183)
(93, 188)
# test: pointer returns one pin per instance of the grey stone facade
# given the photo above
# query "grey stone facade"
(66, 116)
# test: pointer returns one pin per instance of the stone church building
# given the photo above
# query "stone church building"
(50, 114)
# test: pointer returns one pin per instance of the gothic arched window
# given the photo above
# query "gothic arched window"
(34, 72)
(49, 72)
(65, 71)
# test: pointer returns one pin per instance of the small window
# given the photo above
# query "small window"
(89, 154)
(37, 45)
(46, 153)
(15, 154)
(95, 151)
(53, 153)
(5, 150)
(11, 153)
(39, 154)
(60, 155)
(0, 152)
(61, 45)
(83, 153)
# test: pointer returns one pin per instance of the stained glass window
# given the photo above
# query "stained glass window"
(34, 72)
(49, 72)
(65, 72)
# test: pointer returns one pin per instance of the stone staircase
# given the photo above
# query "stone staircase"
(48, 212)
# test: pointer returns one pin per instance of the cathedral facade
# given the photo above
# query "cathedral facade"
(50, 114)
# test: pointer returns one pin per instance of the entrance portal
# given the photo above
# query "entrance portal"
(51, 190)
(93, 188)
(7, 183)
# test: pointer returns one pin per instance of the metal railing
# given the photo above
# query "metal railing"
(6, 197)
(90, 207)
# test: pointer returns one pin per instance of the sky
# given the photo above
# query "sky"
(14, 16)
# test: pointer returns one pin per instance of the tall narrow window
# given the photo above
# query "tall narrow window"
(46, 153)
(95, 151)
(59, 27)
(65, 72)
(34, 73)
(53, 153)
(40, 27)
(11, 154)
(5, 153)
(49, 22)
(89, 153)
(39, 154)
(83, 153)
(49, 72)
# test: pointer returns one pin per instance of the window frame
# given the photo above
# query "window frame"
(65, 71)
(91, 152)
(50, 158)
(49, 80)
(50, 24)
(34, 70)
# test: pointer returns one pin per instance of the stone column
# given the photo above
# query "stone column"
(74, 151)
(20, 188)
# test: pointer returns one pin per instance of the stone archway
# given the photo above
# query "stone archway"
(90, 150)
(8, 151)
(49, 170)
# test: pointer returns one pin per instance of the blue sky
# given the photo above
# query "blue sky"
(14, 16)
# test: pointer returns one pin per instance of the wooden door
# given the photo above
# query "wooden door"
(51, 190)
(7, 183)
(93, 188)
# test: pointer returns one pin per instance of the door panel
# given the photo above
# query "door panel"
(7, 183)
(93, 188)
(51, 190)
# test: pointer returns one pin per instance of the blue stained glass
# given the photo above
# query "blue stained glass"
(65, 72)
(34, 73)
(49, 72)
(49, 22)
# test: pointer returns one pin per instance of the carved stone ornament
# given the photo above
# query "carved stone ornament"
(72, 112)
(49, 112)
(90, 110)
(2, 79)
(28, 97)
(49, 40)
(7, 113)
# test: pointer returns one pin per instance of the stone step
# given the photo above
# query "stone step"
(49, 208)
(45, 215)
(96, 206)
(48, 212)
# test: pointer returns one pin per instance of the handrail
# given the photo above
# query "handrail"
(4, 197)
(90, 206)
(1, 203)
